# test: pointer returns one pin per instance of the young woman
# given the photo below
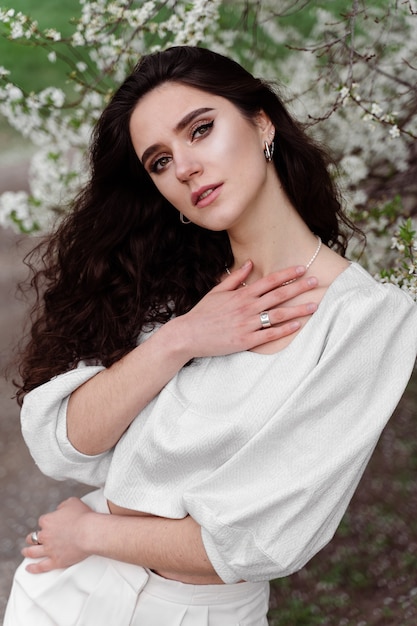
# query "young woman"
(178, 363)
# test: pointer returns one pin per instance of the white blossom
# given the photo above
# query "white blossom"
(397, 245)
(78, 39)
(14, 211)
(344, 94)
(17, 30)
(376, 110)
(5, 16)
(394, 131)
(354, 167)
(351, 104)
(81, 66)
(51, 33)
(51, 95)
(11, 92)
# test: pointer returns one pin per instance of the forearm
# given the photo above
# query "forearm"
(225, 321)
(102, 408)
(173, 548)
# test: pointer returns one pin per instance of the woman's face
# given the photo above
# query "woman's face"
(202, 154)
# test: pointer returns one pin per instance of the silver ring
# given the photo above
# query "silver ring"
(265, 321)
(34, 538)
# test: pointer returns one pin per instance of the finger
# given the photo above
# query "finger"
(279, 295)
(29, 539)
(45, 565)
(277, 279)
(282, 295)
(287, 313)
(284, 314)
(34, 552)
(266, 335)
(236, 278)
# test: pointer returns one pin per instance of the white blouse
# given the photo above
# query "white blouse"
(263, 451)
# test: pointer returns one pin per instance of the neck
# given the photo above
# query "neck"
(278, 239)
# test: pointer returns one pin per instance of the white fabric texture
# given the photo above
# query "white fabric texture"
(264, 451)
(100, 591)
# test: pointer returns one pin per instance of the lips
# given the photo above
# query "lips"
(203, 193)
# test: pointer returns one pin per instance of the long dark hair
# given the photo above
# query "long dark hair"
(121, 258)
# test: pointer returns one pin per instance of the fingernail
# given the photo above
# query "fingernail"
(246, 264)
(300, 270)
(311, 307)
(312, 281)
(295, 325)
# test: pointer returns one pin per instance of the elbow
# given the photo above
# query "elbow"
(84, 445)
(242, 557)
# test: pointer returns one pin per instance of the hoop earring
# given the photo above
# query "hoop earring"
(269, 150)
(183, 219)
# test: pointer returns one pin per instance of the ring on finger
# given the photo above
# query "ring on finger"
(265, 321)
(34, 538)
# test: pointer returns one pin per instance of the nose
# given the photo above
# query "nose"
(187, 165)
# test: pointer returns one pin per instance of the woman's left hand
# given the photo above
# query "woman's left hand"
(57, 535)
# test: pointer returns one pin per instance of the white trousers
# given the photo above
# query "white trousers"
(101, 591)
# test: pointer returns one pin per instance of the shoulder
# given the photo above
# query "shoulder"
(361, 309)
(358, 287)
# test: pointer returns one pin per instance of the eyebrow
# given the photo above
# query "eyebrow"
(183, 123)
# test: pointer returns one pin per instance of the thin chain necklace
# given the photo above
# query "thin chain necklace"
(309, 264)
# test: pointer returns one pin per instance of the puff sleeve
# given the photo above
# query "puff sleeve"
(278, 500)
(44, 429)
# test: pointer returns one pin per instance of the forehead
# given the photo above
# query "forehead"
(168, 103)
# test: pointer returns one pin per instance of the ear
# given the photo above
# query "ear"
(266, 127)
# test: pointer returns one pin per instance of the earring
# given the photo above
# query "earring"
(269, 150)
(183, 219)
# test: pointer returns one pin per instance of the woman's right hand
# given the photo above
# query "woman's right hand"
(227, 319)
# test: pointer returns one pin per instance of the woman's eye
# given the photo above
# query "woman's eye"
(201, 130)
(197, 131)
(159, 164)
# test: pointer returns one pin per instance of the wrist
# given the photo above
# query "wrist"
(87, 533)
(174, 335)
(104, 534)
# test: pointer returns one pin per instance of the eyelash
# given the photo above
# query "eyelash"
(154, 165)
(198, 127)
(205, 126)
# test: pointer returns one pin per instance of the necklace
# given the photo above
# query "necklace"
(309, 264)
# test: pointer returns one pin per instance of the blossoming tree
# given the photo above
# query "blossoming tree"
(349, 75)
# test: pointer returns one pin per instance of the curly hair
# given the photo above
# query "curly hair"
(121, 259)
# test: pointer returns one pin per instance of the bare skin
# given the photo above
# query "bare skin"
(225, 321)
(208, 161)
(173, 548)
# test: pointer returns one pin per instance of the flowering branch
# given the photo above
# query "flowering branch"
(351, 80)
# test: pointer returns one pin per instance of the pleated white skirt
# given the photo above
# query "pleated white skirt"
(101, 591)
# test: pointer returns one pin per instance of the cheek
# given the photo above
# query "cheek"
(250, 164)
(243, 149)
(228, 147)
